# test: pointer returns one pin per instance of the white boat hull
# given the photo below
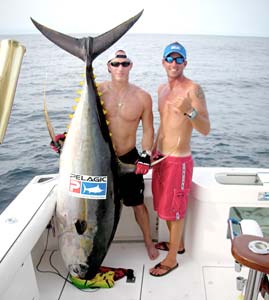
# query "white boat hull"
(205, 268)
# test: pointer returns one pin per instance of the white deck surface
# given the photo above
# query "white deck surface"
(189, 281)
(205, 272)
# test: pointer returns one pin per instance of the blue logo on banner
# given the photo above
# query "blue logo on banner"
(93, 189)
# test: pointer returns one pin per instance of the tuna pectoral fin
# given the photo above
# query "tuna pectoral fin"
(125, 168)
(88, 48)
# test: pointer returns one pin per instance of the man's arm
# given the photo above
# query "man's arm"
(147, 124)
(143, 163)
(201, 121)
(193, 107)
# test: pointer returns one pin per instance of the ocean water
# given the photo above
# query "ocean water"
(233, 71)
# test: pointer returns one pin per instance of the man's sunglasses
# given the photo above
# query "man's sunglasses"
(117, 64)
(179, 60)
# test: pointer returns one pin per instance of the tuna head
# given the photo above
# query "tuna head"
(88, 201)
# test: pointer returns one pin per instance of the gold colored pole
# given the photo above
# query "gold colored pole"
(11, 54)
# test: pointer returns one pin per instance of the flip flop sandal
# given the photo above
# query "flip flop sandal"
(167, 269)
(163, 246)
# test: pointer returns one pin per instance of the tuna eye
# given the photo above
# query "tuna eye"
(81, 226)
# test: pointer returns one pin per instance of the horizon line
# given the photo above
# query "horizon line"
(133, 33)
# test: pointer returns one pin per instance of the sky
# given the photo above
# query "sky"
(216, 17)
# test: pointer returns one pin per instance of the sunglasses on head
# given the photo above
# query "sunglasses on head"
(179, 60)
(117, 64)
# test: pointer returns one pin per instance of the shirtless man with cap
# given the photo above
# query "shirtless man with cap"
(126, 105)
(182, 108)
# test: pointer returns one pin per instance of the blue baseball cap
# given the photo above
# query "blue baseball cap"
(175, 48)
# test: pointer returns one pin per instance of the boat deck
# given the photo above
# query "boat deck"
(206, 270)
(189, 281)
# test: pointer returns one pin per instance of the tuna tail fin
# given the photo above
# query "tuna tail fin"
(88, 48)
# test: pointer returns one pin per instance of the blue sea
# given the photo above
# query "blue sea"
(233, 71)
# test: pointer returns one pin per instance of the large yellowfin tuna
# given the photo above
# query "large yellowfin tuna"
(88, 202)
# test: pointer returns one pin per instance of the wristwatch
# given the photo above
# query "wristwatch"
(192, 115)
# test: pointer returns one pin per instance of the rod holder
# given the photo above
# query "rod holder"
(11, 54)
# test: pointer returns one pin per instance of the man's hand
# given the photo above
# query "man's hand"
(58, 143)
(181, 104)
(56, 148)
(143, 163)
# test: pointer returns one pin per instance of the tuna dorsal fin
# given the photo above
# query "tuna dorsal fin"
(88, 48)
(48, 121)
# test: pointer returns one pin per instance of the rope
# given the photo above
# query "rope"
(154, 163)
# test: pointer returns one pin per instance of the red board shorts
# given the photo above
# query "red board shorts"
(171, 183)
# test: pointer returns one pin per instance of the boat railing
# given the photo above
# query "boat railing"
(250, 249)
